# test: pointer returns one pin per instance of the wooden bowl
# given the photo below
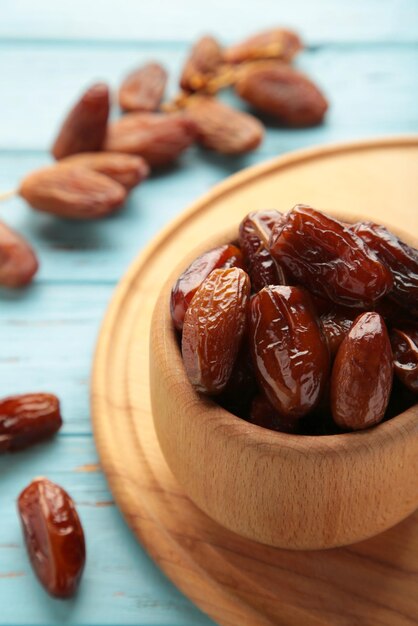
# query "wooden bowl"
(288, 491)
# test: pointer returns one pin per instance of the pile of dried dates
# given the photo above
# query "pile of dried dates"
(51, 526)
(300, 324)
(99, 161)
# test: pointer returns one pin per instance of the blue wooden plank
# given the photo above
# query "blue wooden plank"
(363, 53)
(325, 20)
(378, 98)
(47, 338)
(372, 89)
(120, 584)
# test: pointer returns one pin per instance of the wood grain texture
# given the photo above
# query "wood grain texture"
(233, 579)
(49, 51)
(282, 490)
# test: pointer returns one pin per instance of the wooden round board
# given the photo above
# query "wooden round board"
(236, 581)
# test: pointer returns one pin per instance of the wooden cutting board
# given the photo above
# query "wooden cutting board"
(236, 581)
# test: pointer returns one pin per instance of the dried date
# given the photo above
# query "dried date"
(127, 169)
(18, 262)
(330, 260)
(205, 58)
(27, 419)
(54, 536)
(405, 356)
(362, 374)
(143, 89)
(289, 353)
(84, 128)
(277, 43)
(190, 280)
(222, 128)
(254, 236)
(214, 324)
(72, 192)
(159, 138)
(280, 91)
(336, 325)
(401, 259)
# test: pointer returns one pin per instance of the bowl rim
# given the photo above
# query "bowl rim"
(381, 434)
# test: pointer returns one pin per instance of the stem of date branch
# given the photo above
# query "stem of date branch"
(7, 194)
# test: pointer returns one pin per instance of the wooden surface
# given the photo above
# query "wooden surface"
(224, 574)
(49, 51)
(282, 490)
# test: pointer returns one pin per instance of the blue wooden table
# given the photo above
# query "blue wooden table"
(364, 54)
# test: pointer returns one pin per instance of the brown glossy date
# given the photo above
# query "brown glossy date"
(290, 356)
(361, 379)
(330, 260)
(401, 259)
(191, 279)
(265, 415)
(254, 236)
(336, 325)
(405, 356)
(54, 536)
(213, 328)
(27, 419)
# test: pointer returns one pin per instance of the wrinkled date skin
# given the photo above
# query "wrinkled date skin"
(72, 192)
(213, 328)
(143, 89)
(129, 170)
(335, 326)
(222, 128)
(254, 236)
(158, 137)
(405, 356)
(276, 43)
(289, 353)
(18, 262)
(27, 419)
(54, 536)
(362, 374)
(328, 259)
(265, 415)
(401, 259)
(84, 128)
(204, 60)
(280, 91)
(191, 279)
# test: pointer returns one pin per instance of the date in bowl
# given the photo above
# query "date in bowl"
(284, 490)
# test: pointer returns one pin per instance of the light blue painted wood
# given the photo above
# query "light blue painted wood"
(366, 85)
(378, 98)
(120, 584)
(364, 53)
(47, 338)
(323, 20)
